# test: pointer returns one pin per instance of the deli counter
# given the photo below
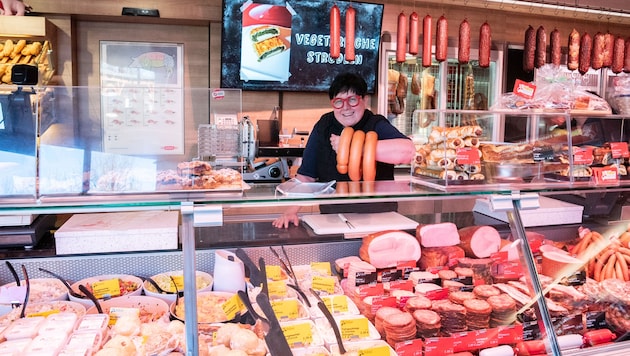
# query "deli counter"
(78, 163)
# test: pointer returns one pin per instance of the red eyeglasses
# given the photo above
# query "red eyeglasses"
(352, 100)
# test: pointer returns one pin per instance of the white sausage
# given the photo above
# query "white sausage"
(503, 350)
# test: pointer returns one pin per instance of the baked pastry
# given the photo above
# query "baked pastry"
(269, 47)
(264, 32)
(227, 177)
(168, 180)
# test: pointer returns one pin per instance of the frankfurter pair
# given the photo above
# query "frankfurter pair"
(335, 32)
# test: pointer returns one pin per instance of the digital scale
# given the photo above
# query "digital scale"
(255, 151)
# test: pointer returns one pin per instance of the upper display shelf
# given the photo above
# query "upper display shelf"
(125, 145)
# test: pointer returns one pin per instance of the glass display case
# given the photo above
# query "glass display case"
(539, 302)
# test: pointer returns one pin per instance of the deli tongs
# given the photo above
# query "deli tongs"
(288, 269)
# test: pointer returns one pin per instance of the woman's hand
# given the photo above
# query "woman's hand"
(14, 7)
(288, 217)
(334, 141)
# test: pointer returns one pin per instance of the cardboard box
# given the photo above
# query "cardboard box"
(550, 212)
(118, 232)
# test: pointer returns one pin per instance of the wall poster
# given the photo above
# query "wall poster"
(142, 98)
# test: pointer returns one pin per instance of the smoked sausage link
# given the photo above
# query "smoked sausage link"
(350, 25)
(618, 50)
(556, 48)
(414, 33)
(609, 41)
(356, 155)
(529, 49)
(441, 39)
(343, 149)
(335, 32)
(597, 59)
(540, 57)
(426, 41)
(485, 40)
(463, 51)
(369, 156)
(401, 39)
(586, 46)
(573, 56)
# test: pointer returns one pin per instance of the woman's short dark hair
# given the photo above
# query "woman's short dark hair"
(346, 82)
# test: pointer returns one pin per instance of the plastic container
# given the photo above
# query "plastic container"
(44, 289)
(25, 328)
(150, 308)
(316, 336)
(14, 347)
(203, 283)
(317, 313)
(59, 323)
(93, 322)
(329, 336)
(46, 345)
(134, 286)
(83, 343)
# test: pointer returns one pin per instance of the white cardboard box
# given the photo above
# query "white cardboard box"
(550, 212)
(117, 232)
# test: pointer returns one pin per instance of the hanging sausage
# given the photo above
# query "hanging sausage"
(573, 56)
(586, 45)
(556, 51)
(540, 57)
(335, 32)
(401, 39)
(350, 25)
(426, 41)
(597, 59)
(414, 33)
(626, 56)
(441, 39)
(609, 41)
(618, 51)
(529, 49)
(463, 50)
(485, 41)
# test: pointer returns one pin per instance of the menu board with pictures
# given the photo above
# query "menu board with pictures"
(142, 98)
(284, 45)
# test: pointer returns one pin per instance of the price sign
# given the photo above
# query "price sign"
(286, 309)
(583, 155)
(322, 268)
(274, 272)
(106, 288)
(356, 328)
(325, 284)
(232, 306)
(619, 149)
(298, 335)
(468, 155)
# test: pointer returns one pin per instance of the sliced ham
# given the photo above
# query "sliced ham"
(480, 241)
(437, 235)
(387, 248)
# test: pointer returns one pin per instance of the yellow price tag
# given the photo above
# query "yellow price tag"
(179, 283)
(337, 304)
(356, 328)
(273, 272)
(375, 351)
(116, 313)
(43, 313)
(321, 267)
(325, 284)
(105, 288)
(285, 309)
(277, 288)
(298, 335)
(232, 306)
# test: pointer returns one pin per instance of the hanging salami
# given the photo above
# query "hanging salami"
(529, 49)
(573, 56)
(556, 48)
(485, 40)
(426, 41)
(350, 25)
(540, 57)
(414, 33)
(441, 39)
(618, 51)
(335, 32)
(463, 50)
(586, 46)
(401, 39)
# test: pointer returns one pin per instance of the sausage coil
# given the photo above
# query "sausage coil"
(401, 39)
(586, 45)
(485, 40)
(573, 56)
(529, 49)
(356, 155)
(426, 41)
(463, 52)
(618, 50)
(556, 48)
(335, 32)
(369, 156)
(343, 149)
(441, 39)
(351, 14)
(414, 33)
(540, 57)
(597, 53)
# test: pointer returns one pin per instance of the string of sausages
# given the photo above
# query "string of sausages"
(335, 32)
(410, 27)
(602, 50)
